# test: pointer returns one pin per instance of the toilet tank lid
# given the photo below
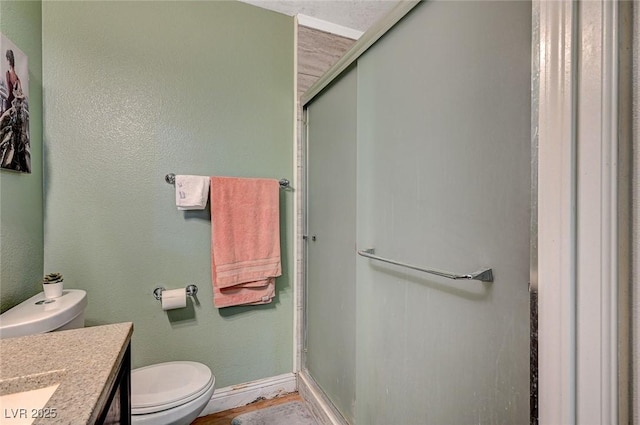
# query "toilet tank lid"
(167, 384)
(39, 315)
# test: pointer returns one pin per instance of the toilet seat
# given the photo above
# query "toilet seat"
(163, 386)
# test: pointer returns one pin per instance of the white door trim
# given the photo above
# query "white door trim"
(597, 205)
(578, 211)
(556, 211)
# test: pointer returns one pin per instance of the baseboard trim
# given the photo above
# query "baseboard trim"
(242, 394)
(321, 407)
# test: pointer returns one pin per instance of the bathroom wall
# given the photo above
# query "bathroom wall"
(21, 249)
(135, 90)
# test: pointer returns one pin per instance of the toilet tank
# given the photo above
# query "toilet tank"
(39, 314)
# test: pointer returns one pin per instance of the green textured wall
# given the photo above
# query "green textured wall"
(21, 246)
(135, 90)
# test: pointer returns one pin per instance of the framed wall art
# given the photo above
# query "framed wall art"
(15, 144)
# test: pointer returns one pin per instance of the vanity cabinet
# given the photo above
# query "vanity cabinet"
(90, 366)
(117, 410)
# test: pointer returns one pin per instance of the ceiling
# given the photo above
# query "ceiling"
(355, 14)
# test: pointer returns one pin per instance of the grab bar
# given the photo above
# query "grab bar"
(482, 275)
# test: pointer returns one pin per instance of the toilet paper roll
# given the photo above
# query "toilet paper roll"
(174, 298)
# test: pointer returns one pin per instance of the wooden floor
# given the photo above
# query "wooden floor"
(225, 418)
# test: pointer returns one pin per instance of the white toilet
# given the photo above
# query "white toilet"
(38, 314)
(172, 393)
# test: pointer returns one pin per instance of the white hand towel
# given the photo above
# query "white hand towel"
(192, 192)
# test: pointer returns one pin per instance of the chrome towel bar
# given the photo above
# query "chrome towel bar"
(171, 179)
(483, 275)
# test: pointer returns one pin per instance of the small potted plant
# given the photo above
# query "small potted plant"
(52, 285)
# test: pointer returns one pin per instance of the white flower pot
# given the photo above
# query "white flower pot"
(52, 290)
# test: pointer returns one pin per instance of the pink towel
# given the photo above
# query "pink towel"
(245, 240)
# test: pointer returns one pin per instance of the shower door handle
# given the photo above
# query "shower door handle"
(485, 275)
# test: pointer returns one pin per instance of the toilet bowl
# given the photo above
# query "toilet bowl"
(171, 393)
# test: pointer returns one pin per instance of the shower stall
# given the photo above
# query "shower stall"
(418, 213)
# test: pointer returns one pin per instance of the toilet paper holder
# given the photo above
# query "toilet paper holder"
(191, 290)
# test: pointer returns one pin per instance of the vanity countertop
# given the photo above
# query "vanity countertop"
(83, 361)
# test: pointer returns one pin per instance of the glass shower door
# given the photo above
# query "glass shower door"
(331, 281)
(443, 182)
(421, 151)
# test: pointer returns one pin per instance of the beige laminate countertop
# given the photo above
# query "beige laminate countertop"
(84, 361)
